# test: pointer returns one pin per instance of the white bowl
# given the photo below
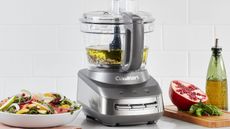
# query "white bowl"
(37, 121)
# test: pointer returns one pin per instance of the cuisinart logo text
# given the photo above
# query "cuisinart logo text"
(126, 78)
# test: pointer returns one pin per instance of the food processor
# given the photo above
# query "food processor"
(116, 89)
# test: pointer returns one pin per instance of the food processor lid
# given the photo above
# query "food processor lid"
(106, 22)
(107, 17)
(103, 22)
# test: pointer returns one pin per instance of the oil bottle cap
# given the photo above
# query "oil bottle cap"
(216, 49)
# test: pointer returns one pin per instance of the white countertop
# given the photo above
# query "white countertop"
(163, 123)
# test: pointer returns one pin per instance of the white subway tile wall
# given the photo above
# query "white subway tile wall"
(34, 84)
(42, 48)
(187, 37)
(57, 64)
(67, 86)
(15, 63)
(208, 11)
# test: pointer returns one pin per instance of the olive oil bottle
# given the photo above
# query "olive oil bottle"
(216, 85)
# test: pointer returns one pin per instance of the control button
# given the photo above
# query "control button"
(122, 107)
(137, 106)
(151, 105)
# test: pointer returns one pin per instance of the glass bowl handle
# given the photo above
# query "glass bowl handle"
(134, 42)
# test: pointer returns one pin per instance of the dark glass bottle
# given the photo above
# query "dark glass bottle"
(216, 85)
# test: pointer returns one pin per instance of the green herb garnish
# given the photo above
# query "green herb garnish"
(201, 109)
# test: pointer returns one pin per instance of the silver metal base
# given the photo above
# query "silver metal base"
(120, 104)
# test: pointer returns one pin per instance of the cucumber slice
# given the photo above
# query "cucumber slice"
(8, 103)
(42, 111)
(22, 111)
(41, 106)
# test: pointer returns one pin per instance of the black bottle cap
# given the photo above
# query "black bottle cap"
(216, 49)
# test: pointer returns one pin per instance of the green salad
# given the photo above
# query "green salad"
(46, 103)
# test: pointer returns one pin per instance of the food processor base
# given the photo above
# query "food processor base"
(115, 105)
(108, 121)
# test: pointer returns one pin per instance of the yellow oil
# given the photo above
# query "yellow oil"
(101, 54)
(217, 92)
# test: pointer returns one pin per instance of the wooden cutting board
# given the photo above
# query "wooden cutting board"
(207, 121)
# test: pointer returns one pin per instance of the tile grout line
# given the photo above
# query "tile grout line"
(187, 11)
(189, 64)
(40, 24)
(33, 65)
(162, 37)
(56, 86)
(57, 37)
(3, 88)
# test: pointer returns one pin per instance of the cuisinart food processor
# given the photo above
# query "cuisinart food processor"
(116, 89)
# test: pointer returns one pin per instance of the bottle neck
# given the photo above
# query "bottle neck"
(216, 69)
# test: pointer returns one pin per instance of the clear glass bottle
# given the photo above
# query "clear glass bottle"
(216, 85)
